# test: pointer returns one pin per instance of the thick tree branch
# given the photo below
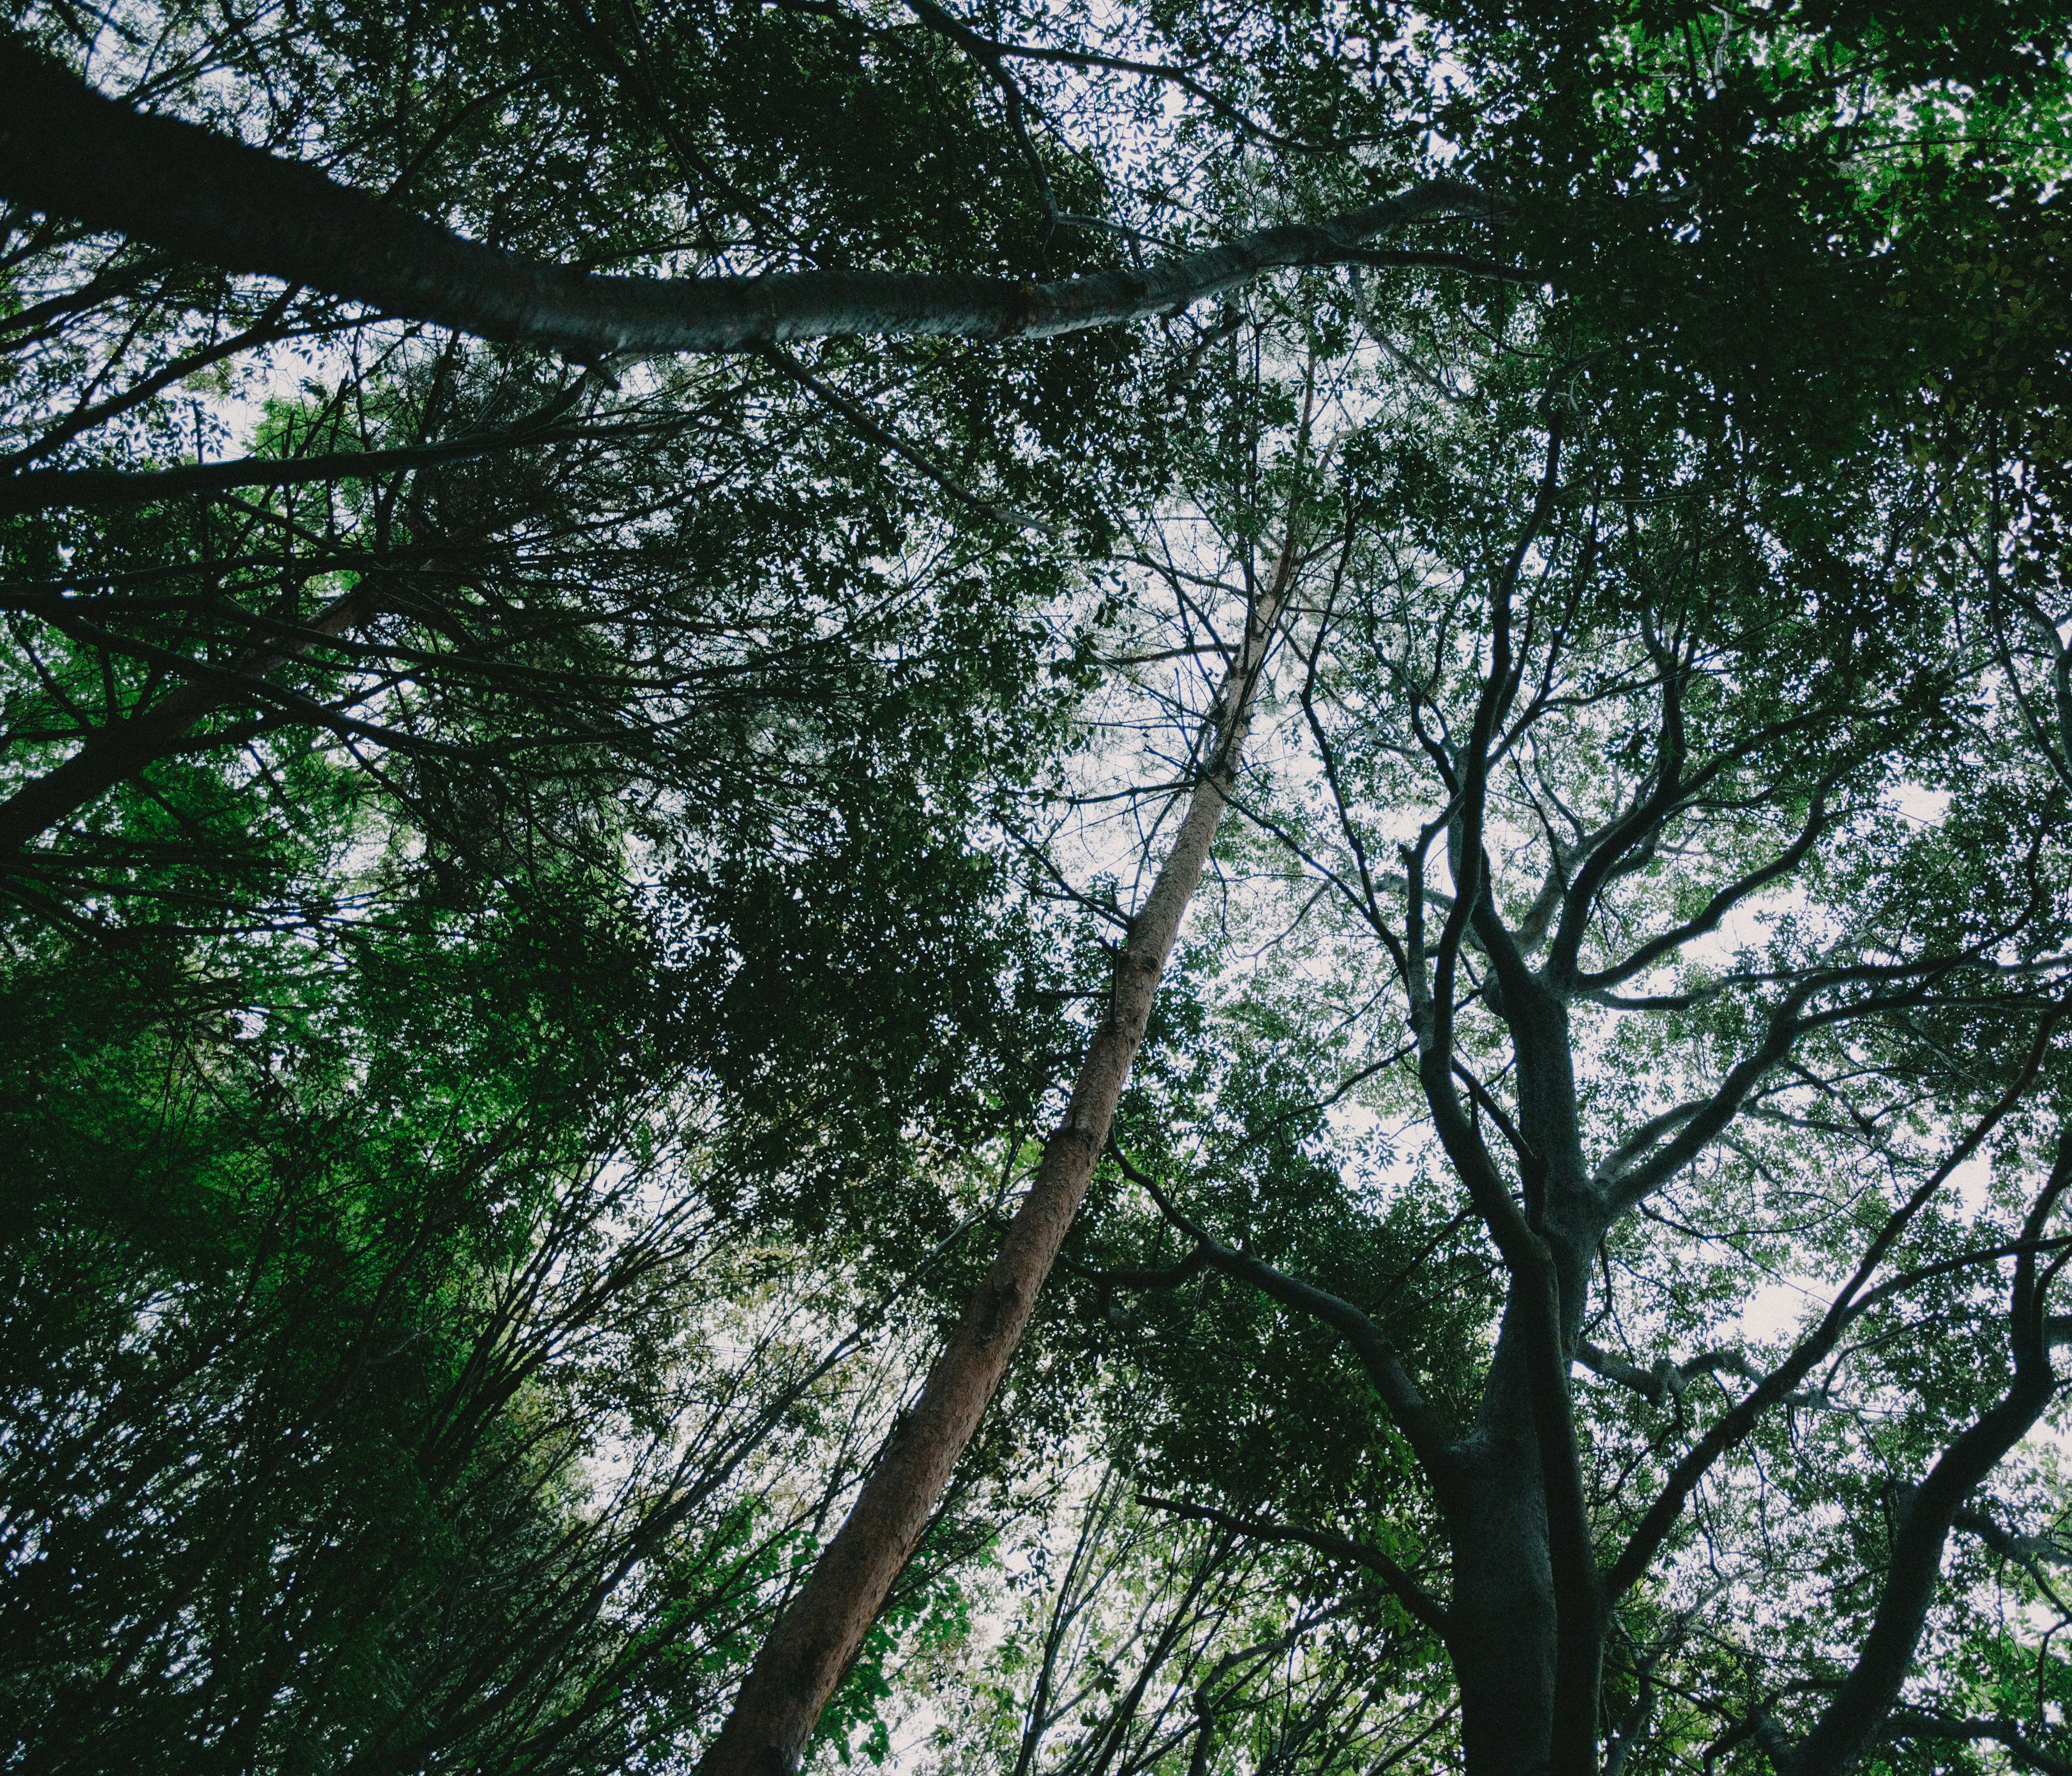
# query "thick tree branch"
(1695, 1131)
(1635, 1725)
(1915, 1723)
(1467, 264)
(1667, 1380)
(67, 149)
(1709, 917)
(2029, 1552)
(1853, 1722)
(1614, 1164)
(1731, 1427)
(1601, 858)
(117, 752)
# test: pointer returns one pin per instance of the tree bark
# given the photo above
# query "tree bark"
(1527, 1608)
(67, 149)
(1503, 1647)
(799, 1666)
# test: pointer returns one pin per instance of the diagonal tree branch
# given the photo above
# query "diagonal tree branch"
(1733, 1426)
(67, 149)
(1854, 1721)
(1709, 917)
(42, 489)
(114, 754)
(45, 490)
(1422, 1427)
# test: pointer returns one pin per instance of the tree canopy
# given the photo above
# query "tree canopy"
(1059, 890)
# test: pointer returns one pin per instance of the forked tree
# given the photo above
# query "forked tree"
(1602, 785)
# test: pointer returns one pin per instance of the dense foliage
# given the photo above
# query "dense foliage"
(546, 908)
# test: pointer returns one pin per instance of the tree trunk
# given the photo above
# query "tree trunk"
(799, 1666)
(65, 149)
(1508, 1608)
(1504, 1631)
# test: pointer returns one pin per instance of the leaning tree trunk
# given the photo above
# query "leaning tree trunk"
(800, 1664)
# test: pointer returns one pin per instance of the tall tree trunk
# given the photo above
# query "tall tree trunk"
(65, 148)
(805, 1658)
(1510, 1613)
(1503, 1640)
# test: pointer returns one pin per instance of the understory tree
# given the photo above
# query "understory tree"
(1024, 889)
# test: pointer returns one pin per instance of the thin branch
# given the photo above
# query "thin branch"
(1413, 1597)
(1420, 1426)
(44, 489)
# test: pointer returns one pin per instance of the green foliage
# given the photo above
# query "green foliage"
(593, 910)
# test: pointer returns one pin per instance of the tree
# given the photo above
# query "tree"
(1631, 608)
(1525, 834)
(318, 1329)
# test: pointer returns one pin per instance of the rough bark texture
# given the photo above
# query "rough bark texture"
(65, 149)
(800, 1665)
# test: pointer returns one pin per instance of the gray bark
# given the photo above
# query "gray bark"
(66, 150)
